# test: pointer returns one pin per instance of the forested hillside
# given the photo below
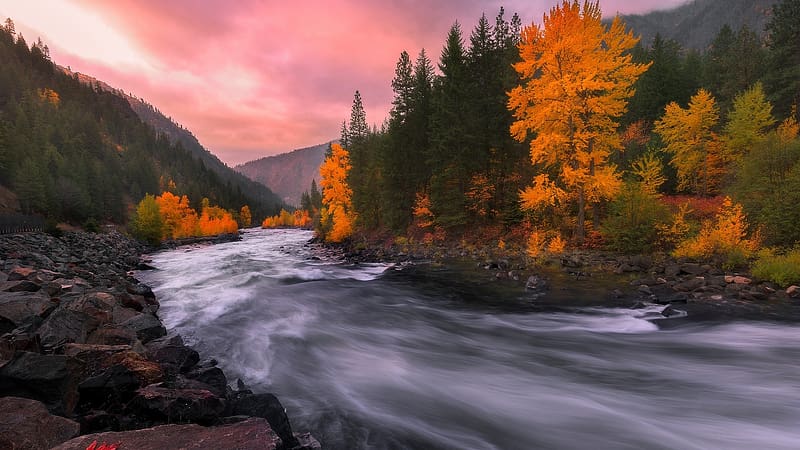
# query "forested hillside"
(572, 133)
(288, 174)
(75, 151)
(695, 24)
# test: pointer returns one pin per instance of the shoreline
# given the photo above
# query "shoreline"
(84, 356)
(704, 291)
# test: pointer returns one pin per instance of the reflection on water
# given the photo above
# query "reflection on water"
(378, 357)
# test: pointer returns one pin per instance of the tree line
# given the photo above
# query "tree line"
(572, 130)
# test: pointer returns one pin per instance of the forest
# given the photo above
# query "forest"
(571, 133)
(73, 152)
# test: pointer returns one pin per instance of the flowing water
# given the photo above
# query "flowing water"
(375, 356)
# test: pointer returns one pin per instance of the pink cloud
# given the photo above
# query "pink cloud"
(252, 78)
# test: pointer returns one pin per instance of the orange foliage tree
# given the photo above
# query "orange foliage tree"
(180, 220)
(697, 151)
(215, 220)
(577, 75)
(245, 217)
(337, 215)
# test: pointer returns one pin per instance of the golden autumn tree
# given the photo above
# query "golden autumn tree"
(337, 213)
(577, 75)
(215, 220)
(180, 220)
(245, 217)
(697, 151)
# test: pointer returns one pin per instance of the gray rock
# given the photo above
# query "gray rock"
(40, 377)
(146, 326)
(18, 306)
(250, 434)
(26, 424)
(690, 285)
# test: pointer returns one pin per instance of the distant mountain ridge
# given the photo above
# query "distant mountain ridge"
(176, 133)
(695, 24)
(288, 174)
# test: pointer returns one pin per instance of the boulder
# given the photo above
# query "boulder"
(22, 273)
(161, 403)
(692, 269)
(110, 335)
(20, 286)
(112, 388)
(40, 377)
(214, 377)
(737, 279)
(146, 326)
(18, 306)
(26, 424)
(250, 434)
(67, 325)
(171, 353)
(793, 291)
(692, 284)
(269, 407)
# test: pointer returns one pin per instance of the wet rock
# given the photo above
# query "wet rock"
(536, 283)
(171, 353)
(26, 424)
(644, 289)
(22, 273)
(214, 377)
(269, 407)
(672, 270)
(177, 405)
(148, 372)
(146, 326)
(753, 296)
(692, 269)
(678, 297)
(250, 434)
(793, 291)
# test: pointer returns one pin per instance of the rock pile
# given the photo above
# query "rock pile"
(80, 336)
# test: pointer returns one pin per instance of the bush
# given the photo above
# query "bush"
(783, 270)
(724, 239)
(636, 214)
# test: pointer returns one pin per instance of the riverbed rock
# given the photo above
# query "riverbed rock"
(39, 377)
(112, 388)
(161, 404)
(250, 434)
(690, 285)
(20, 286)
(269, 407)
(172, 354)
(737, 279)
(67, 325)
(18, 306)
(146, 326)
(26, 424)
(692, 269)
(793, 291)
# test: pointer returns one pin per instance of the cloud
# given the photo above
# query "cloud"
(257, 77)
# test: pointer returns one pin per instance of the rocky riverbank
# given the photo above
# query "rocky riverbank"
(84, 357)
(704, 291)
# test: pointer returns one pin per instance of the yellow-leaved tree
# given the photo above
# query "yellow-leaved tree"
(697, 151)
(337, 215)
(577, 75)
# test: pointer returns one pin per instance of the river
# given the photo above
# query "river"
(383, 357)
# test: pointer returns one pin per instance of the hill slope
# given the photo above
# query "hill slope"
(695, 24)
(72, 150)
(288, 174)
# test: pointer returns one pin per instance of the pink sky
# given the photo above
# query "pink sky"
(252, 78)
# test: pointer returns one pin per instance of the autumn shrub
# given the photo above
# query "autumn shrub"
(783, 270)
(147, 224)
(723, 239)
(634, 219)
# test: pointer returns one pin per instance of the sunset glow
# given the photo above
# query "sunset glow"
(253, 78)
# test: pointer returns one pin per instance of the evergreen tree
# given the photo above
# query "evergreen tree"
(783, 75)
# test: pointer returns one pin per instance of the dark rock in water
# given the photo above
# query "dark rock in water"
(269, 407)
(146, 326)
(644, 289)
(214, 377)
(678, 297)
(172, 354)
(161, 403)
(26, 424)
(536, 283)
(669, 311)
(35, 376)
(250, 434)
(140, 289)
(639, 305)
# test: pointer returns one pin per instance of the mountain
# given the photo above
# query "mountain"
(288, 174)
(177, 134)
(695, 24)
(74, 149)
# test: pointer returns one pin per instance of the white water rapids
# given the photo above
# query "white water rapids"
(374, 357)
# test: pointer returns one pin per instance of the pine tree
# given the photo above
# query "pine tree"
(783, 77)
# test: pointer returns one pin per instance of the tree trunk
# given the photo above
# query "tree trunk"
(580, 232)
